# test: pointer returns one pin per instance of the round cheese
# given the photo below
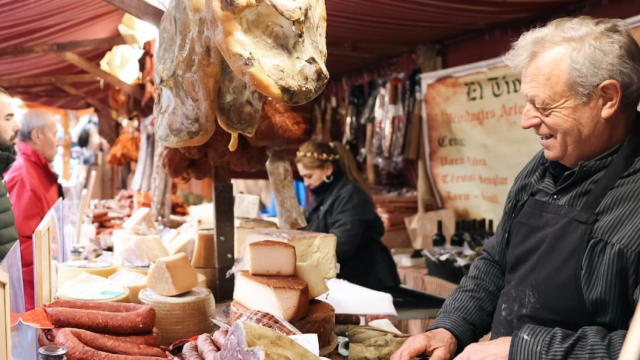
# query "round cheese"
(143, 270)
(93, 288)
(321, 320)
(133, 281)
(72, 269)
(182, 316)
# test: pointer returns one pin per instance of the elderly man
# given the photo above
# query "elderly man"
(9, 128)
(560, 279)
(33, 186)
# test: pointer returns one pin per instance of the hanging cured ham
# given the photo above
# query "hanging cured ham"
(239, 106)
(276, 46)
(186, 76)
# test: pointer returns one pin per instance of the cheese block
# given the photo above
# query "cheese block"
(202, 280)
(272, 258)
(309, 273)
(203, 214)
(204, 255)
(286, 297)
(141, 222)
(247, 341)
(93, 288)
(247, 206)
(321, 320)
(72, 269)
(133, 281)
(143, 250)
(168, 235)
(183, 316)
(172, 275)
(241, 232)
(184, 243)
(316, 248)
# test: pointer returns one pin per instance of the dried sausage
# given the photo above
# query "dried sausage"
(77, 350)
(152, 339)
(206, 347)
(102, 317)
(190, 351)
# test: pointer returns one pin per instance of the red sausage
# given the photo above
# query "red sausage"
(219, 337)
(152, 339)
(102, 317)
(206, 347)
(77, 350)
(190, 351)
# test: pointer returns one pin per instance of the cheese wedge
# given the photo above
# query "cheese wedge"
(172, 275)
(241, 232)
(184, 243)
(246, 206)
(287, 297)
(272, 258)
(143, 250)
(316, 248)
(309, 273)
(141, 222)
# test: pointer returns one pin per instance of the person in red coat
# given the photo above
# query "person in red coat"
(33, 186)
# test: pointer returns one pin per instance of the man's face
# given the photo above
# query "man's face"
(47, 141)
(9, 127)
(568, 130)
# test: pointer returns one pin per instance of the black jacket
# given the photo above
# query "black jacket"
(343, 209)
(8, 232)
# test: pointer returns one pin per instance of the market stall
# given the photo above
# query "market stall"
(192, 96)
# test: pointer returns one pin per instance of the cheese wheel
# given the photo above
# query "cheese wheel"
(183, 316)
(143, 270)
(93, 288)
(72, 269)
(133, 281)
(321, 320)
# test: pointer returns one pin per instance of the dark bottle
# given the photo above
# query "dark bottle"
(438, 239)
(466, 232)
(481, 232)
(490, 232)
(457, 239)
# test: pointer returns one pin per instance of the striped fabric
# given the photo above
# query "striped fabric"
(610, 272)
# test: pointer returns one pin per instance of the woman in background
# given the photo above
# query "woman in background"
(341, 205)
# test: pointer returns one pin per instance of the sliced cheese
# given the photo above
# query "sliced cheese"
(183, 316)
(184, 243)
(241, 232)
(93, 288)
(204, 255)
(287, 297)
(316, 248)
(141, 222)
(133, 281)
(172, 275)
(143, 250)
(251, 341)
(309, 273)
(72, 269)
(272, 258)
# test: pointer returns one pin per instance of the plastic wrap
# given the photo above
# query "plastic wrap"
(23, 338)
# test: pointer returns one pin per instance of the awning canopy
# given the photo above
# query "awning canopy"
(360, 33)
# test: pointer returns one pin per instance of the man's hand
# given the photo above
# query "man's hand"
(497, 349)
(439, 344)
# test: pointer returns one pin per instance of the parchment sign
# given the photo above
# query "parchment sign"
(476, 146)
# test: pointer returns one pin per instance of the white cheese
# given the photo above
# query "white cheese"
(141, 222)
(172, 275)
(309, 273)
(143, 250)
(184, 243)
(133, 281)
(272, 258)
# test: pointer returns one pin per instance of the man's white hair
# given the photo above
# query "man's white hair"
(33, 119)
(600, 50)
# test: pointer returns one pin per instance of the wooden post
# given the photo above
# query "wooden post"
(224, 228)
(66, 146)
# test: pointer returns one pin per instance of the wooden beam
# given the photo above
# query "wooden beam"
(77, 92)
(46, 80)
(140, 9)
(95, 70)
(106, 43)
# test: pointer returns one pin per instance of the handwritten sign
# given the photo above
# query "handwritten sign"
(476, 146)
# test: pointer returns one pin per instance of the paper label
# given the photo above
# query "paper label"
(308, 341)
